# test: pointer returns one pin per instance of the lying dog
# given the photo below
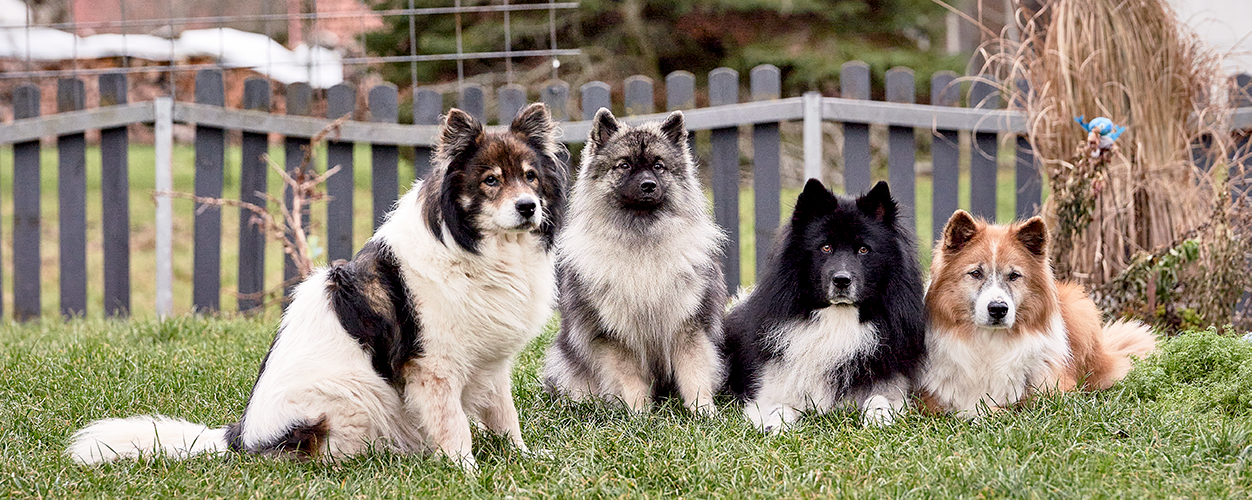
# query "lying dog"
(1001, 328)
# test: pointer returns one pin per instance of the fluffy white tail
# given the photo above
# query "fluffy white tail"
(118, 438)
(1123, 338)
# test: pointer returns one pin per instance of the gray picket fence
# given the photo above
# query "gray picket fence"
(764, 110)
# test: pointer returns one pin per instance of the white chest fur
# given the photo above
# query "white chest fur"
(477, 308)
(811, 350)
(991, 367)
(642, 288)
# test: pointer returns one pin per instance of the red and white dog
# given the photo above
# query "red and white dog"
(1001, 328)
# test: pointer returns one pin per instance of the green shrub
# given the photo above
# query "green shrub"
(1201, 370)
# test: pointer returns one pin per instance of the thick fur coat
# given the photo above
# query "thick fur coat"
(1001, 328)
(642, 291)
(399, 348)
(836, 318)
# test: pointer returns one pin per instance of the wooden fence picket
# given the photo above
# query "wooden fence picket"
(945, 152)
(724, 90)
(115, 200)
(902, 148)
(72, 203)
(1027, 178)
(385, 158)
(253, 180)
(766, 83)
(340, 102)
(299, 103)
(210, 161)
(427, 106)
(26, 217)
(984, 155)
(854, 84)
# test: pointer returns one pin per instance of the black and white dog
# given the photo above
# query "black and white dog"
(836, 318)
(642, 293)
(399, 348)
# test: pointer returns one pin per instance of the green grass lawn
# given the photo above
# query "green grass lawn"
(1181, 426)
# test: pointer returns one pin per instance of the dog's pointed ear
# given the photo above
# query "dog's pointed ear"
(603, 126)
(1033, 234)
(459, 133)
(877, 203)
(959, 230)
(815, 199)
(675, 129)
(535, 126)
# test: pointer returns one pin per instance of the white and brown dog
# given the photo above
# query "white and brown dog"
(1001, 328)
(399, 348)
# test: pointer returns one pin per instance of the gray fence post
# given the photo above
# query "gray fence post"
(427, 106)
(766, 82)
(26, 217)
(115, 200)
(340, 102)
(902, 147)
(595, 95)
(1028, 180)
(813, 135)
(510, 99)
(555, 95)
(210, 158)
(639, 100)
(983, 94)
(253, 180)
(680, 94)
(723, 90)
(473, 100)
(72, 203)
(163, 146)
(945, 150)
(385, 158)
(299, 103)
(854, 84)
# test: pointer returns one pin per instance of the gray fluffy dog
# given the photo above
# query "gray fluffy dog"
(641, 288)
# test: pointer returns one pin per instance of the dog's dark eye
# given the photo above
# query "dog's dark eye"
(827, 249)
(1014, 276)
(976, 274)
(862, 250)
(622, 165)
(491, 181)
(531, 176)
(658, 166)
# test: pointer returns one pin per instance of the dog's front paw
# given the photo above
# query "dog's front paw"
(878, 412)
(703, 407)
(466, 463)
(771, 420)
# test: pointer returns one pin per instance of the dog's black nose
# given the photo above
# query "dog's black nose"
(648, 185)
(997, 310)
(526, 207)
(843, 280)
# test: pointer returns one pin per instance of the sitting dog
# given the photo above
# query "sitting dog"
(400, 347)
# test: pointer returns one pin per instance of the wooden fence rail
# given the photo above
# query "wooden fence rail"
(762, 107)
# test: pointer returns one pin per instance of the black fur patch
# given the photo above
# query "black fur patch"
(303, 440)
(373, 304)
(790, 289)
